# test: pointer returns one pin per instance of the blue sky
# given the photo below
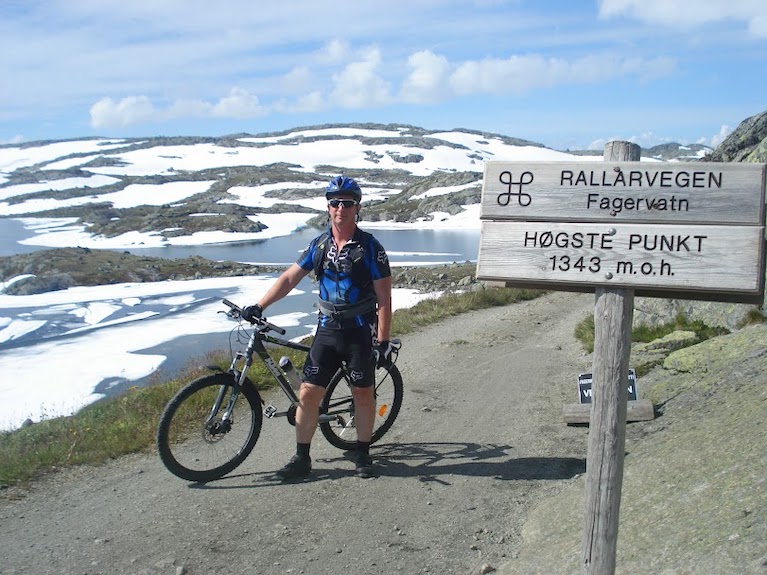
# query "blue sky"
(568, 74)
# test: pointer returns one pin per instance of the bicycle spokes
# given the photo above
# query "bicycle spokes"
(209, 428)
(341, 431)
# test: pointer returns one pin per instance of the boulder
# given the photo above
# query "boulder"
(748, 143)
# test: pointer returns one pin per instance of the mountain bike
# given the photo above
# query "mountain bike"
(213, 423)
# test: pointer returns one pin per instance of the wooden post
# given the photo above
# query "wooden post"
(613, 315)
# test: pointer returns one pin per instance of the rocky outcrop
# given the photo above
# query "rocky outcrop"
(646, 355)
(656, 311)
(57, 269)
(748, 143)
(693, 497)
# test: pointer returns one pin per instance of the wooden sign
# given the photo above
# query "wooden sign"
(693, 230)
(702, 192)
(708, 258)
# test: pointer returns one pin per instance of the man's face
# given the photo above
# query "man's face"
(343, 209)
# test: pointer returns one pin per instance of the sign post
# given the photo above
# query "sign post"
(622, 227)
(613, 315)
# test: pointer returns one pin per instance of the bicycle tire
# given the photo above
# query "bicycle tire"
(341, 433)
(200, 452)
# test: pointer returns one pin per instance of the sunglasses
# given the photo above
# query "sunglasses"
(345, 203)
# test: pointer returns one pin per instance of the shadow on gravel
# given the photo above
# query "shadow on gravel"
(429, 461)
(425, 461)
(267, 479)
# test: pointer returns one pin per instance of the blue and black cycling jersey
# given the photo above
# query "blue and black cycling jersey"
(346, 276)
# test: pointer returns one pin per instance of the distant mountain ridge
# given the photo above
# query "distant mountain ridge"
(80, 178)
(665, 152)
(414, 174)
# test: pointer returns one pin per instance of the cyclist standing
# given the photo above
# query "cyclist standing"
(354, 321)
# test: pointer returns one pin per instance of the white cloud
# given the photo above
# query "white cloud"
(360, 85)
(720, 137)
(134, 110)
(107, 113)
(599, 144)
(428, 79)
(520, 74)
(312, 102)
(334, 52)
(297, 80)
(516, 74)
(239, 104)
(683, 15)
(188, 109)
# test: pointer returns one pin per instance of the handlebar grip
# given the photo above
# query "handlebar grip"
(259, 320)
(273, 327)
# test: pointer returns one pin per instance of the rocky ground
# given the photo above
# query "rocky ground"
(695, 486)
(61, 268)
(56, 269)
(478, 444)
(479, 473)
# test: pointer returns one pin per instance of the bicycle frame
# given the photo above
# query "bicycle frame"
(256, 346)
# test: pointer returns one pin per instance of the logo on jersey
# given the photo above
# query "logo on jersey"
(382, 257)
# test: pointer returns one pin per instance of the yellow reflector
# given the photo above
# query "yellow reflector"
(382, 410)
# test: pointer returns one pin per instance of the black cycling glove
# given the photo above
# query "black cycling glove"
(383, 352)
(252, 313)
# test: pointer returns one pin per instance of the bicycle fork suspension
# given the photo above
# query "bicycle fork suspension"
(239, 378)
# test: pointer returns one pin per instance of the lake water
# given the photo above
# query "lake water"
(410, 246)
(11, 232)
(405, 247)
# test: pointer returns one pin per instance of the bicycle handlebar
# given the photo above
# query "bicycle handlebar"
(236, 312)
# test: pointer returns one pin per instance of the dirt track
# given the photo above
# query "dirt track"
(479, 441)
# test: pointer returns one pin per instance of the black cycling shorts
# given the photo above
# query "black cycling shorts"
(332, 347)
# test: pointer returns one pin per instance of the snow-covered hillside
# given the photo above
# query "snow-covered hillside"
(90, 190)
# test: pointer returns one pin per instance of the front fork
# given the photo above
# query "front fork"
(224, 423)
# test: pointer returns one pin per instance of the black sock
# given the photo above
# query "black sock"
(302, 450)
(363, 447)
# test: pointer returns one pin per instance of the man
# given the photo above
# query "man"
(354, 321)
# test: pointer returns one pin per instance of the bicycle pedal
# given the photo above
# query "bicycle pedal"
(270, 411)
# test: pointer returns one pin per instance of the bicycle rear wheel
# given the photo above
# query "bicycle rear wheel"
(341, 431)
(194, 439)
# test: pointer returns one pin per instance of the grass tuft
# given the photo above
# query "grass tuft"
(430, 311)
(754, 316)
(584, 330)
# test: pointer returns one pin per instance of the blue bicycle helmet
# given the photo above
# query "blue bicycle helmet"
(343, 186)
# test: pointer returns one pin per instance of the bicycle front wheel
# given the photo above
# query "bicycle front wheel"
(341, 431)
(197, 439)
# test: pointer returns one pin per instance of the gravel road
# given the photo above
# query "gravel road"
(478, 444)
